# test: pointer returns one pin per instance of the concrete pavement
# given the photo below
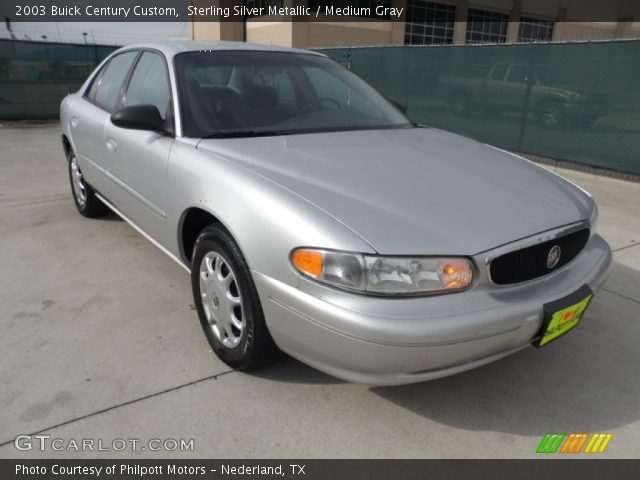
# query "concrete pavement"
(100, 340)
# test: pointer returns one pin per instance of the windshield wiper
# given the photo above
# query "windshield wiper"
(246, 133)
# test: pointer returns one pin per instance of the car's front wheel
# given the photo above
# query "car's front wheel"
(83, 195)
(227, 302)
(552, 115)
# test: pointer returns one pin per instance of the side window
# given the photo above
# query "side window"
(518, 74)
(149, 84)
(498, 71)
(105, 89)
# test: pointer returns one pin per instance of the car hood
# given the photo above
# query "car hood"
(414, 191)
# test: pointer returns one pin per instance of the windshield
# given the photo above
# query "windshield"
(249, 93)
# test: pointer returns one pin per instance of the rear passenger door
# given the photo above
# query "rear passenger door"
(138, 159)
(90, 116)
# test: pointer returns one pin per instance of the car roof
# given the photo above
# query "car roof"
(174, 47)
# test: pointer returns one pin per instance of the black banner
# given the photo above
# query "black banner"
(268, 10)
(321, 469)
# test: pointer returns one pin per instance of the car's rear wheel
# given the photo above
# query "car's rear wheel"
(227, 302)
(83, 195)
(552, 115)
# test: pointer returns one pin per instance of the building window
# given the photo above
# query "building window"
(486, 27)
(429, 23)
(264, 4)
(534, 30)
(359, 6)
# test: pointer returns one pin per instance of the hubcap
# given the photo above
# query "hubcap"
(79, 188)
(221, 299)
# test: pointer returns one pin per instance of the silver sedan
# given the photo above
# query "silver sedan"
(316, 219)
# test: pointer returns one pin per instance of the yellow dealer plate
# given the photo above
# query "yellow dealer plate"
(563, 315)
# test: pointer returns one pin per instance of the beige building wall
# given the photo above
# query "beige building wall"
(232, 31)
(325, 34)
(273, 33)
(204, 30)
(567, 31)
(354, 33)
(311, 34)
(213, 28)
(570, 31)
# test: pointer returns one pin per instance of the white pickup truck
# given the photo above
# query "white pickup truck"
(504, 89)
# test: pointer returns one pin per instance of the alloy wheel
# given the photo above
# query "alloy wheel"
(551, 117)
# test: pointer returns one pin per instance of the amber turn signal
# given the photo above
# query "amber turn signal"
(308, 261)
(449, 270)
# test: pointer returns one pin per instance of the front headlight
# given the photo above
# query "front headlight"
(382, 275)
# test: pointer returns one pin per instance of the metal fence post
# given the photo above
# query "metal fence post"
(525, 105)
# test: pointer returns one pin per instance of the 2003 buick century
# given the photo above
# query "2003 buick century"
(315, 218)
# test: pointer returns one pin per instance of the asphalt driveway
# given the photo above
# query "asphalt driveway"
(100, 340)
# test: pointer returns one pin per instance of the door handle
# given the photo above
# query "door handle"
(112, 145)
(75, 122)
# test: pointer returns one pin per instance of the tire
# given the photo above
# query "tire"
(83, 195)
(227, 302)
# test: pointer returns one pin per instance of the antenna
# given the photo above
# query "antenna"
(7, 23)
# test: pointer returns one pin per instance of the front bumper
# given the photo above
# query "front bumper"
(390, 341)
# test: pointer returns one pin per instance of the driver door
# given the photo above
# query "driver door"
(137, 158)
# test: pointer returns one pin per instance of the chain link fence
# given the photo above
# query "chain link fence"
(36, 76)
(575, 102)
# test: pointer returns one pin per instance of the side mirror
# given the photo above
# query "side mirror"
(139, 117)
(400, 106)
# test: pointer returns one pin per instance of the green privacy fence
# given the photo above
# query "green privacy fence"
(36, 76)
(577, 102)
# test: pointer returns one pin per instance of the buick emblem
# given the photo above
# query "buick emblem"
(553, 257)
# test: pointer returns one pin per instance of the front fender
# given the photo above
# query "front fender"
(266, 220)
